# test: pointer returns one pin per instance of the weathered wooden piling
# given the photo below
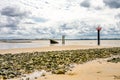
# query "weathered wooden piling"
(63, 39)
(98, 34)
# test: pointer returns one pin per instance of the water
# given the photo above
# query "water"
(40, 43)
(43, 43)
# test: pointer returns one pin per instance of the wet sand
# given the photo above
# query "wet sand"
(51, 48)
(93, 70)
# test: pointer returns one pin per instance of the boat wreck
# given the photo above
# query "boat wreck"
(53, 41)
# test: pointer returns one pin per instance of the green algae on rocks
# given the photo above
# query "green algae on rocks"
(57, 62)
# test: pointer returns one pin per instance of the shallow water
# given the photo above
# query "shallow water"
(43, 43)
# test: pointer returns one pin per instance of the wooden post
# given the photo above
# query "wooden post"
(98, 37)
(63, 39)
(98, 34)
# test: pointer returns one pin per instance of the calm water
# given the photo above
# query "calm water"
(43, 43)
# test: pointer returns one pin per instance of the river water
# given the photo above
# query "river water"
(45, 43)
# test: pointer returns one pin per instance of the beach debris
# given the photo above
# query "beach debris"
(32, 65)
(114, 60)
(53, 41)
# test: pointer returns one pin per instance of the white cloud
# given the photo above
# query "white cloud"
(53, 18)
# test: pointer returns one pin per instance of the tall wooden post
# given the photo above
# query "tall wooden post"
(98, 37)
(98, 34)
(63, 39)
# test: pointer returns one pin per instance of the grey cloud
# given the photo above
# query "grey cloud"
(117, 16)
(77, 27)
(52, 32)
(12, 22)
(113, 30)
(112, 3)
(98, 8)
(82, 30)
(13, 12)
(85, 3)
(85, 29)
(64, 26)
(13, 17)
(4, 32)
(29, 22)
(38, 19)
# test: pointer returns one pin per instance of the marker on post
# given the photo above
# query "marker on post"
(98, 36)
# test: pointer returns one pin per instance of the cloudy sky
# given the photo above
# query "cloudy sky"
(76, 19)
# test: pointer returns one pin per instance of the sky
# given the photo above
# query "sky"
(76, 19)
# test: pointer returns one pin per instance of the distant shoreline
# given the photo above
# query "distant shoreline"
(16, 41)
(65, 39)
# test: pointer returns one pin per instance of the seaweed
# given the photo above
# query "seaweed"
(57, 62)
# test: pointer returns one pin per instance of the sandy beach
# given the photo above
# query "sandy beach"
(59, 39)
(98, 69)
(93, 70)
(51, 48)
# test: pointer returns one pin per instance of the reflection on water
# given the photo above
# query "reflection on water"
(43, 43)
(24, 45)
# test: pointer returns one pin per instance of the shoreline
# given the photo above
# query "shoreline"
(67, 63)
(50, 48)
